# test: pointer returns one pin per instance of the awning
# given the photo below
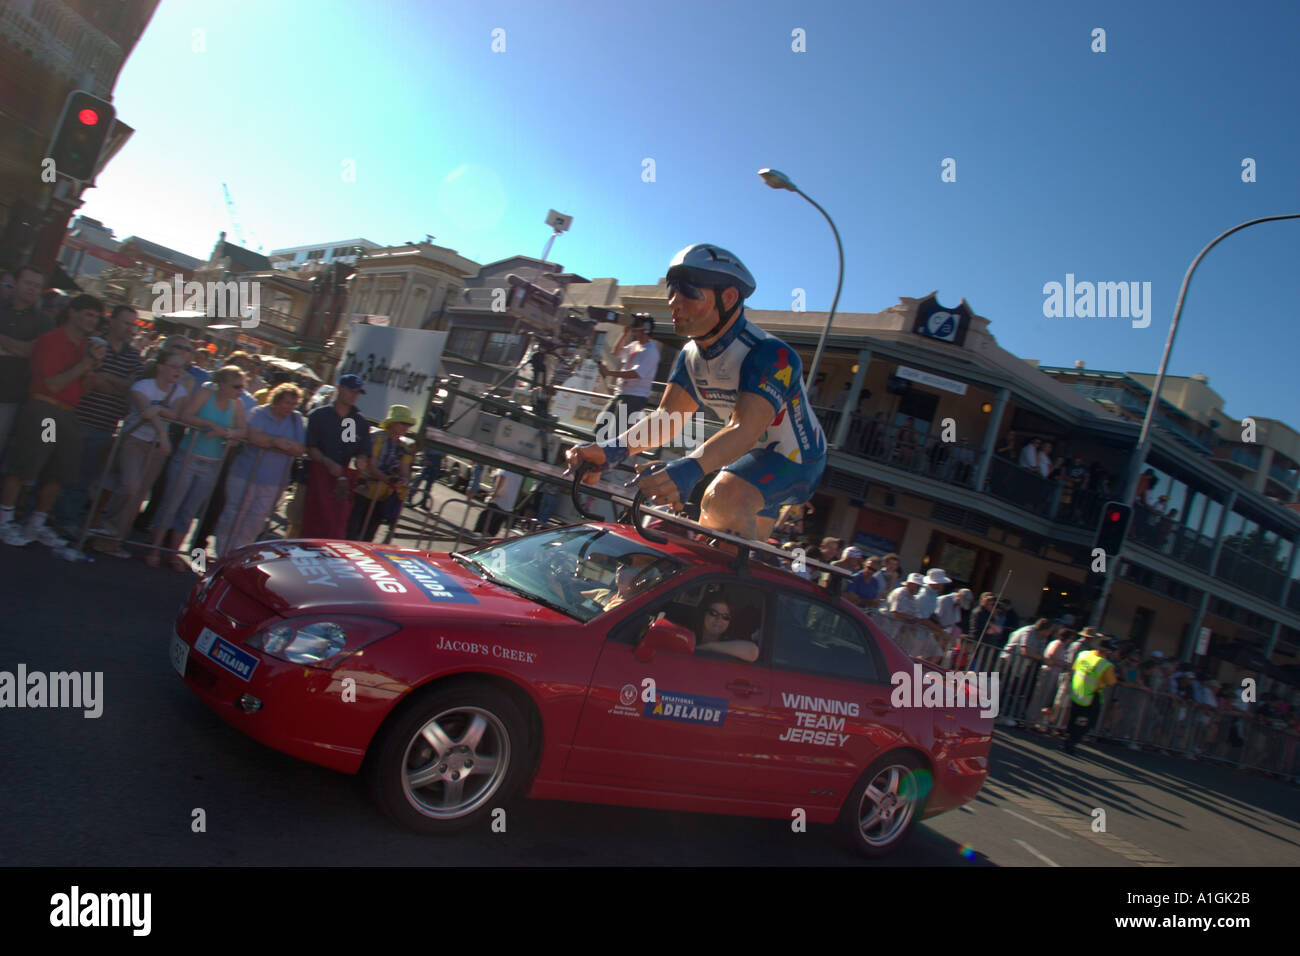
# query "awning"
(61, 280)
(296, 368)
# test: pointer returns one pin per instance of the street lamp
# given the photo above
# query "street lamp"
(1144, 437)
(779, 180)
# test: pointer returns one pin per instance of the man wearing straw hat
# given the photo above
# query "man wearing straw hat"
(379, 492)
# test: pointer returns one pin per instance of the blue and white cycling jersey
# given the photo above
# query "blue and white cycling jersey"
(747, 359)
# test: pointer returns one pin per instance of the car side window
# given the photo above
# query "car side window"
(817, 638)
(726, 617)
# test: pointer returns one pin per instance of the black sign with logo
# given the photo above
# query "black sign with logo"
(937, 322)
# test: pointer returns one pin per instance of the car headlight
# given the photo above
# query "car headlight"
(314, 641)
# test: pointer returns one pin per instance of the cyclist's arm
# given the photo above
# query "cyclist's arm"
(663, 423)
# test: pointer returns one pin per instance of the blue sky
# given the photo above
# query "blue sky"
(1112, 166)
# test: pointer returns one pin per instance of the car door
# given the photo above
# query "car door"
(829, 712)
(698, 732)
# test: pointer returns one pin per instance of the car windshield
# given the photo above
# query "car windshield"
(582, 572)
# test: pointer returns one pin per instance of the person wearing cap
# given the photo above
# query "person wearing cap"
(851, 559)
(770, 452)
(1051, 678)
(947, 612)
(385, 480)
(905, 622)
(1019, 662)
(336, 435)
(1093, 672)
(638, 358)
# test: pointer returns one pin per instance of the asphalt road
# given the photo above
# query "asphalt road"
(122, 789)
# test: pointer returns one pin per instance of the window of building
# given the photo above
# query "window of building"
(503, 348)
(466, 342)
(316, 254)
(1232, 531)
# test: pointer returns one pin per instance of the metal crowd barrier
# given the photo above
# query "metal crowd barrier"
(130, 508)
(1132, 715)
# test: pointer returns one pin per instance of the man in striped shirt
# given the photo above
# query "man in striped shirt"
(99, 412)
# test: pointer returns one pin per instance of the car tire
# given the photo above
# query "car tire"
(883, 808)
(482, 735)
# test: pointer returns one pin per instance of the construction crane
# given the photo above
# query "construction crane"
(234, 218)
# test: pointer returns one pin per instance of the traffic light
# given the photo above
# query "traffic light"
(1114, 523)
(79, 137)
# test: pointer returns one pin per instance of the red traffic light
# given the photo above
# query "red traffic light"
(88, 117)
(1113, 516)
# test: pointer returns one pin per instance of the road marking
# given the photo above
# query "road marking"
(1080, 823)
(1035, 823)
(1037, 854)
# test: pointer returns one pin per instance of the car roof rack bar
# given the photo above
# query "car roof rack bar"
(616, 493)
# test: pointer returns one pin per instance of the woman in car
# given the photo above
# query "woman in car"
(711, 627)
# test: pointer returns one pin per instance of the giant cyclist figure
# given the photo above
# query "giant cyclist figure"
(772, 450)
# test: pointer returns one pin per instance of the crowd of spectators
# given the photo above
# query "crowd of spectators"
(1084, 487)
(919, 611)
(98, 418)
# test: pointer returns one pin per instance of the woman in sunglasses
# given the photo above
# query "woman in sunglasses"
(711, 629)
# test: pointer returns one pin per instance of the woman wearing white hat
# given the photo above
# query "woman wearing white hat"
(910, 628)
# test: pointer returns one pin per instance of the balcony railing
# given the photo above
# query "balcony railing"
(1160, 533)
(902, 448)
(1287, 477)
(1293, 596)
(1246, 457)
(1249, 575)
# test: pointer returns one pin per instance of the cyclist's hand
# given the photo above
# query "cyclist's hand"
(588, 453)
(654, 481)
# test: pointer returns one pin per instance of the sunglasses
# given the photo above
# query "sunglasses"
(688, 289)
(722, 614)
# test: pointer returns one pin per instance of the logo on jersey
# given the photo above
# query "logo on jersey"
(783, 369)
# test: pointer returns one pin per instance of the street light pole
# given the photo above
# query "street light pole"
(779, 180)
(1144, 437)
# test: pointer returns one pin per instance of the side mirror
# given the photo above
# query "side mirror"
(664, 635)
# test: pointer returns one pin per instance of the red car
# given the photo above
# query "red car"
(585, 664)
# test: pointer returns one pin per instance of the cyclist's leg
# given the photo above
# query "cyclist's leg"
(733, 504)
(748, 494)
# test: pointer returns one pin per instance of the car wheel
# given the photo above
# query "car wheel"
(883, 808)
(452, 758)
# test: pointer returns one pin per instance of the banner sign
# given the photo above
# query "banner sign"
(934, 381)
(399, 367)
(936, 322)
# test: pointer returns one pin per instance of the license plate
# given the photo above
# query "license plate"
(180, 652)
(225, 655)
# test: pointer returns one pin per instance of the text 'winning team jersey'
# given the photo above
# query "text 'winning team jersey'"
(747, 359)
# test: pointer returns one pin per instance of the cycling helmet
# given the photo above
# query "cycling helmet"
(644, 322)
(712, 267)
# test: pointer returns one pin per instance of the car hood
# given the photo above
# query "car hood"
(313, 576)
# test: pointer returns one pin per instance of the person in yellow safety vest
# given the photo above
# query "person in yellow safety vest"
(1093, 672)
